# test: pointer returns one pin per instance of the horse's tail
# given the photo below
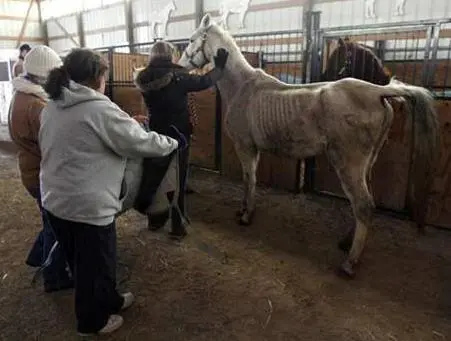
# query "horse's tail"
(425, 149)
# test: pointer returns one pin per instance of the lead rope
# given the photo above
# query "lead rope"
(174, 203)
(46, 263)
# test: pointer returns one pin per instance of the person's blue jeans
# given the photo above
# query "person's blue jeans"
(56, 276)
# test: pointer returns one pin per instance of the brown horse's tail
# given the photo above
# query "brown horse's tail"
(425, 141)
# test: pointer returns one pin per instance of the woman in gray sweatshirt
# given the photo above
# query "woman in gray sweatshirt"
(85, 141)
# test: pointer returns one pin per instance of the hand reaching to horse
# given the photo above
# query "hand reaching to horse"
(221, 58)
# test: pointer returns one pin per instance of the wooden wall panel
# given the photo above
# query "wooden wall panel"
(439, 205)
(130, 100)
(203, 143)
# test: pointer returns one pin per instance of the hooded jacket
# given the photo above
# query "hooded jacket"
(26, 105)
(85, 141)
(165, 87)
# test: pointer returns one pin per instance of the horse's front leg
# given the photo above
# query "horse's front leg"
(243, 207)
(249, 158)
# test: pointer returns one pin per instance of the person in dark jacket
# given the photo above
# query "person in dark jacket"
(165, 87)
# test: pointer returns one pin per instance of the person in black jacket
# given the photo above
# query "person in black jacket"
(165, 87)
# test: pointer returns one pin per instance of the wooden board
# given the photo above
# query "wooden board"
(412, 72)
(439, 204)
(123, 64)
(203, 143)
(130, 100)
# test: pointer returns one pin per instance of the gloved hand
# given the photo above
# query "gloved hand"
(221, 58)
(181, 139)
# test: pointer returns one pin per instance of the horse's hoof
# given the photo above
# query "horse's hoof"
(244, 220)
(345, 245)
(346, 270)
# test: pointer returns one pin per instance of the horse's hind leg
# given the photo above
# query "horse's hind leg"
(346, 243)
(352, 171)
(249, 158)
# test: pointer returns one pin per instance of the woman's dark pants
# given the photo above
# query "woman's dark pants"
(91, 253)
(55, 275)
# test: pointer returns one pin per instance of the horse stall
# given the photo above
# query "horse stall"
(416, 57)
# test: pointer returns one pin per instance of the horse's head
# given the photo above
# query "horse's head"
(351, 59)
(340, 61)
(203, 44)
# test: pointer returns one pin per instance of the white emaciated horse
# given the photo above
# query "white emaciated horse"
(348, 120)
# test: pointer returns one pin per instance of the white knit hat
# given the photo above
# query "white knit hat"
(41, 60)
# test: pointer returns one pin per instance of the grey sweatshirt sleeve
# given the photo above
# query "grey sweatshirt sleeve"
(127, 138)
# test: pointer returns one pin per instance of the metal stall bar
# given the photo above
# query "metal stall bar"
(311, 65)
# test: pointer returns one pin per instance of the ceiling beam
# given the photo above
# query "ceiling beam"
(42, 24)
(199, 11)
(24, 24)
(16, 18)
(128, 7)
(66, 34)
(80, 30)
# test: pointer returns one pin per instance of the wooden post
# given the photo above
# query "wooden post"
(42, 24)
(199, 11)
(80, 30)
(24, 24)
(129, 24)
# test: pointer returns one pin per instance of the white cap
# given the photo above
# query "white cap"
(41, 60)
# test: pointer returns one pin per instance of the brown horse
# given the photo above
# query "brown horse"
(351, 59)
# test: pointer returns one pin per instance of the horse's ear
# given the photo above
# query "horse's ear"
(341, 42)
(206, 21)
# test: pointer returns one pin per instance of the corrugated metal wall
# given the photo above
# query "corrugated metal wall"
(12, 15)
(104, 21)
(352, 12)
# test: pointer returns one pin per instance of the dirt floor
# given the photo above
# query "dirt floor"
(272, 281)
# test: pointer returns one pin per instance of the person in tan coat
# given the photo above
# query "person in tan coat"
(24, 123)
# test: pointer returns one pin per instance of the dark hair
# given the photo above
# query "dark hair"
(83, 66)
(24, 47)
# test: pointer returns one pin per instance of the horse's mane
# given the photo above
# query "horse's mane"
(228, 40)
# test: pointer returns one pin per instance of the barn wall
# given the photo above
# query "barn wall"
(57, 39)
(182, 20)
(352, 12)
(105, 26)
(12, 15)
